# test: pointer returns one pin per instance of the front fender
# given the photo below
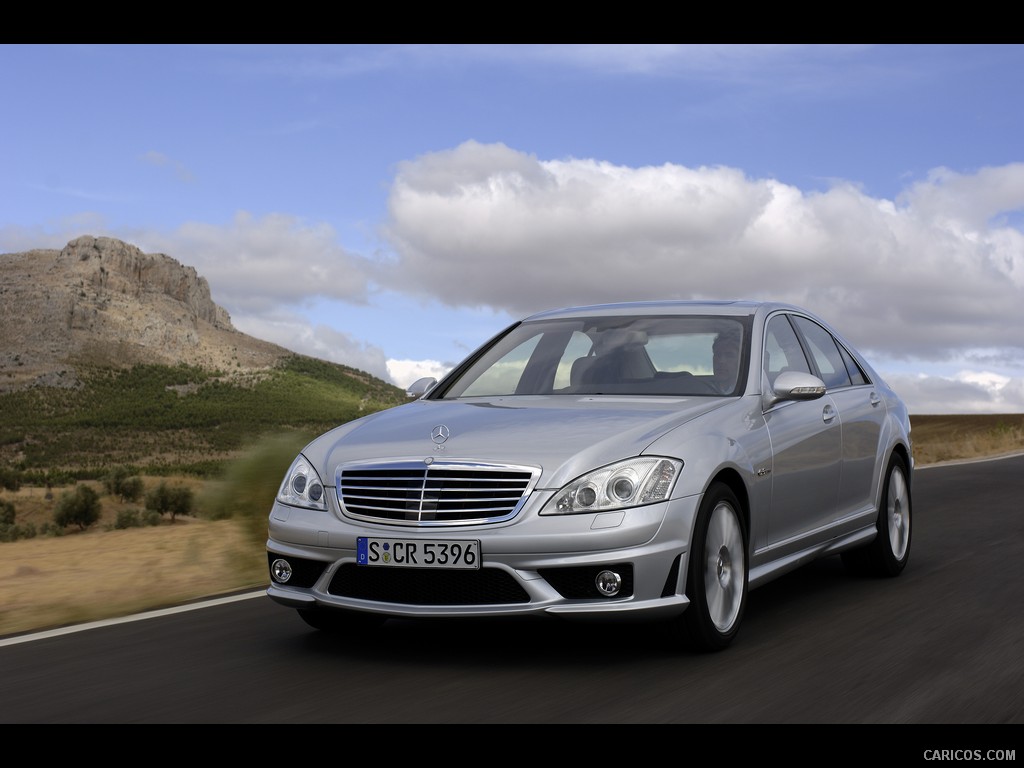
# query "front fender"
(711, 446)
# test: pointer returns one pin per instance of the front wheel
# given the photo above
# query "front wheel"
(716, 579)
(889, 551)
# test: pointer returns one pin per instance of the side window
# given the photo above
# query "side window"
(826, 354)
(857, 375)
(782, 351)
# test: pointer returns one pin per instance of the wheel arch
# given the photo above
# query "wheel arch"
(901, 450)
(731, 477)
(904, 453)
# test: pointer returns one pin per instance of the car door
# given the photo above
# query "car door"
(861, 414)
(806, 441)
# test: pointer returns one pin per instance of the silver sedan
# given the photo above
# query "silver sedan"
(651, 461)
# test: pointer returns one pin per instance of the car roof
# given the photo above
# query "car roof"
(671, 307)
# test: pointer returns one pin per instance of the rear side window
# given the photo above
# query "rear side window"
(826, 354)
(857, 375)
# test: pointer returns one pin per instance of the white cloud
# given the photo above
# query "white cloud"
(486, 225)
(965, 392)
(992, 382)
(967, 201)
(404, 372)
(296, 333)
(935, 275)
(255, 264)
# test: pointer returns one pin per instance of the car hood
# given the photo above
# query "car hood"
(563, 436)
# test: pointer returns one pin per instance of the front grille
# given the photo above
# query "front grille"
(438, 494)
(417, 586)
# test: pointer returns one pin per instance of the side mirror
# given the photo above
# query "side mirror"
(794, 385)
(420, 387)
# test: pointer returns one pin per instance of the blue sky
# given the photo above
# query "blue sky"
(391, 207)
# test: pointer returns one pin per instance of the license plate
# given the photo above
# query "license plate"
(418, 553)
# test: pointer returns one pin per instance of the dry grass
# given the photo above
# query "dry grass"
(48, 582)
(951, 438)
(101, 573)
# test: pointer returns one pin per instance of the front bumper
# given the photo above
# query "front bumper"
(533, 565)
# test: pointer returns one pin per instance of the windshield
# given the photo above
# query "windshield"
(634, 355)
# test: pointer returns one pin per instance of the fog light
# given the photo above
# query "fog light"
(608, 583)
(281, 570)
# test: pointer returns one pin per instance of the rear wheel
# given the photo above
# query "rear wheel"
(716, 580)
(888, 553)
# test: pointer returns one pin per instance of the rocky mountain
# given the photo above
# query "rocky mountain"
(103, 302)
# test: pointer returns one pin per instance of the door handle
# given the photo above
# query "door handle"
(828, 413)
(875, 399)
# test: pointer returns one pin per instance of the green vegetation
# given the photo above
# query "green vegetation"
(9, 479)
(10, 530)
(79, 507)
(119, 482)
(166, 499)
(172, 420)
(127, 518)
(247, 489)
(230, 436)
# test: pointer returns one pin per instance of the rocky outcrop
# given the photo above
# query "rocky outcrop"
(114, 267)
(101, 301)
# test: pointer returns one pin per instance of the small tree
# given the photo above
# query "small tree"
(165, 499)
(80, 507)
(6, 512)
(9, 479)
(8, 530)
(114, 478)
(131, 489)
(119, 482)
(127, 518)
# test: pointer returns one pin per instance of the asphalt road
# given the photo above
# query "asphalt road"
(941, 644)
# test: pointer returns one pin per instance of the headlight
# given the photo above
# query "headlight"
(302, 486)
(629, 483)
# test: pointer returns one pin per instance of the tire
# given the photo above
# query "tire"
(340, 621)
(889, 551)
(717, 570)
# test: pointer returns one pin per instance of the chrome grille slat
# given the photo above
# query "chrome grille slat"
(353, 487)
(463, 511)
(435, 494)
(367, 501)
